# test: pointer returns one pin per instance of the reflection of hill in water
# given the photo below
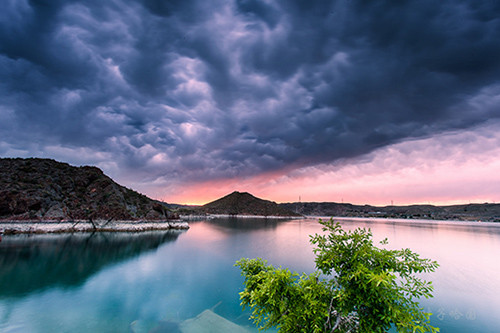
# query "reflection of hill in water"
(235, 223)
(36, 262)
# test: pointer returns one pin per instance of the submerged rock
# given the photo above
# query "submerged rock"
(210, 322)
(166, 327)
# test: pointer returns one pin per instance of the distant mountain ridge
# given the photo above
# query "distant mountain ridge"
(243, 203)
(44, 189)
(466, 212)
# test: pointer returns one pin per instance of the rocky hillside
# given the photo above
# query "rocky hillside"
(243, 203)
(468, 212)
(44, 189)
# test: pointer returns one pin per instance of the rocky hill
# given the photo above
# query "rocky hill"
(44, 189)
(243, 203)
(468, 212)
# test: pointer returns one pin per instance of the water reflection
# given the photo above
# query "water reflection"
(36, 262)
(467, 283)
(244, 224)
(111, 282)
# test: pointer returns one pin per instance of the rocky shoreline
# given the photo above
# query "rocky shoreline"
(44, 227)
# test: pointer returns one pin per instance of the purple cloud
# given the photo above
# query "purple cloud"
(190, 90)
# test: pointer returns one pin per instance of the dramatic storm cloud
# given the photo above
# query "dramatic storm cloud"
(162, 93)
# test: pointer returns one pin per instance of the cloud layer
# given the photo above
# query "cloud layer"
(168, 92)
(453, 168)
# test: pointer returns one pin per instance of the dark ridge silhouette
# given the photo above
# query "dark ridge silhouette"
(467, 212)
(243, 203)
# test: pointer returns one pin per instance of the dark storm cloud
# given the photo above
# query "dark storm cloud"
(200, 90)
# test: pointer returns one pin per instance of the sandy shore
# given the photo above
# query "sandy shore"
(42, 227)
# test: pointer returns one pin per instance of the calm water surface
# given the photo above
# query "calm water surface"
(147, 281)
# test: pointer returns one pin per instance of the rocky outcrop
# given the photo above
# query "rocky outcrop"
(44, 189)
(243, 203)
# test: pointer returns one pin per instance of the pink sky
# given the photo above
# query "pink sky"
(283, 99)
(446, 169)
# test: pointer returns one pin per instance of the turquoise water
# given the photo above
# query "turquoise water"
(150, 282)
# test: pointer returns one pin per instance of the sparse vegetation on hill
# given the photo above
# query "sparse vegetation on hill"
(243, 203)
(468, 212)
(44, 189)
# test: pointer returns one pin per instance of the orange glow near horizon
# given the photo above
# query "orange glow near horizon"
(372, 191)
(426, 171)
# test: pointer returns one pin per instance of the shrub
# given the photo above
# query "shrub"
(357, 287)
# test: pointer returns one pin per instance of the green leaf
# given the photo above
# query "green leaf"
(365, 289)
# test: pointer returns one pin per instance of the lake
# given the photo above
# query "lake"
(152, 281)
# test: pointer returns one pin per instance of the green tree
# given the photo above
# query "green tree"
(358, 288)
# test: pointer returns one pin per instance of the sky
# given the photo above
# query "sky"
(368, 102)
